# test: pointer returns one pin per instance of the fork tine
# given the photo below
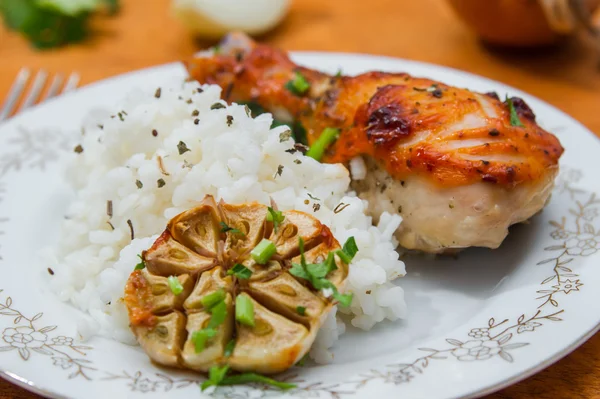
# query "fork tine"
(54, 87)
(72, 82)
(36, 89)
(14, 93)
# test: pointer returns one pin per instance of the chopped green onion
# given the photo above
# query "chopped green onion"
(327, 137)
(263, 251)
(199, 338)
(212, 299)
(316, 273)
(141, 265)
(301, 310)
(514, 117)
(299, 271)
(344, 299)
(298, 85)
(338, 74)
(218, 315)
(349, 250)
(175, 285)
(229, 348)
(246, 378)
(244, 310)
(240, 271)
(215, 376)
(225, 229)
(276, 217)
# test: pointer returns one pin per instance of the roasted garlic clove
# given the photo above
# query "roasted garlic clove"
(198, 228)
(286, 296)
(296, 224)
(208, 283)
(162, 342)
(263, 272)
(249, 222)
(213, 352)
(273, 345)
(167, 257)
(147, 295)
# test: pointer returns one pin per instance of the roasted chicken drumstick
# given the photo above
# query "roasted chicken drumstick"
(459, 166)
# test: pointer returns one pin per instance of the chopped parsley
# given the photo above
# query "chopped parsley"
(276, 217)
(217, 106)
(182, 148)
(160, 183)
(285, 136)
(298, 85)
(240, 271)
(175, 285)
(139, 184)
(78, 149)
(301, 310)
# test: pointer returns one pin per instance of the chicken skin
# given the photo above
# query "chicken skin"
(460, 167)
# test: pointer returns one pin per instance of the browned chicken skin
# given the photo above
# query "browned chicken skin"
(456, 164)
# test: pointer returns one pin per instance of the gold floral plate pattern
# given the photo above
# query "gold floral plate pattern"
(477, 322)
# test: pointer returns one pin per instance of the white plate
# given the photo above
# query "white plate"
(477, 323)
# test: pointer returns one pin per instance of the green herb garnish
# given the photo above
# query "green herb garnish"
(199, 338)
(217, 376)
(227, 229)
(175, 285)
(348, 251)
(244, 310)
(139, 184)
(298, 86)
(327, 137)
(263, 251)
(141, 265)
(316, 274)
(52, 23)
(338, 74)
(301, 310)
(212, 299)
(240, 271)
(215, 303)
(276, 217)
(229, 348)
(514, 116)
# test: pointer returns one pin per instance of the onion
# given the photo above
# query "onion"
(214, 18)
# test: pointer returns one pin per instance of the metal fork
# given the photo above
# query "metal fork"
(33, 96)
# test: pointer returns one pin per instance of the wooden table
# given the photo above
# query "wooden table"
(144, 34)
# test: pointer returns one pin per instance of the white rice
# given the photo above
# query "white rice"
(246, 161)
